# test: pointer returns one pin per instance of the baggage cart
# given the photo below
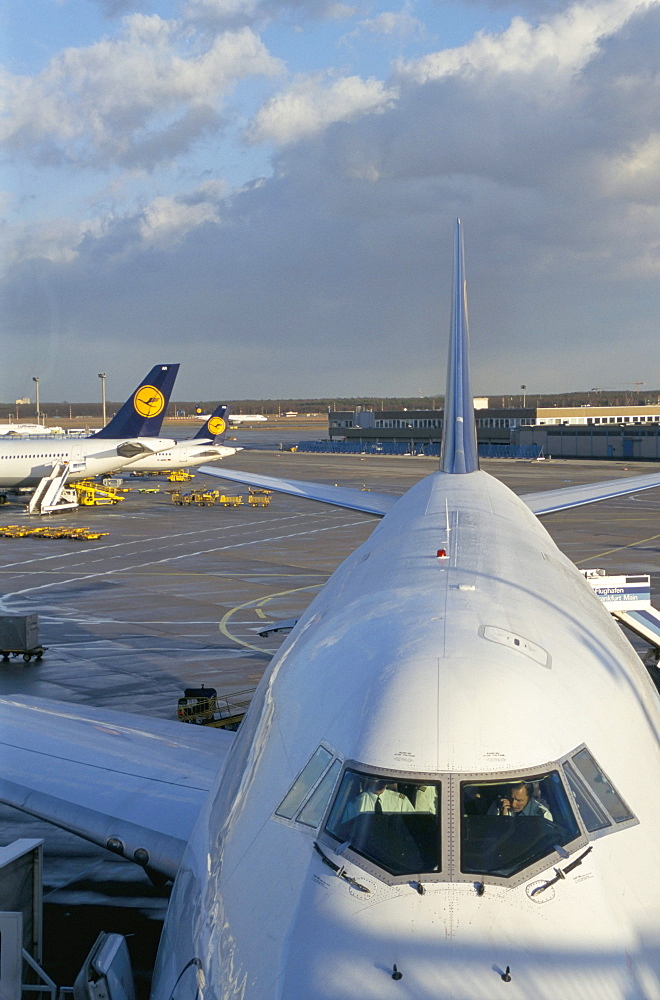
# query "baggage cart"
(19, 636)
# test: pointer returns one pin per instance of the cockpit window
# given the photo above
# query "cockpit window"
(395, 824)
(602, 787)
(507, 826)
(312, 812)
(591, 814)
(304, 783)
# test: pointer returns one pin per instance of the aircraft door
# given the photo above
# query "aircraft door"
(77, 462)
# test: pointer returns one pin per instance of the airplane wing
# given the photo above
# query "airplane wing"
(132, 784)
(546, 502)
(576, 496)
(340, 496)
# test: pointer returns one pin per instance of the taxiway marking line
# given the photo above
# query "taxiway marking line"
(171, 559)
(155, 539)
(618, 548)
(222, 625)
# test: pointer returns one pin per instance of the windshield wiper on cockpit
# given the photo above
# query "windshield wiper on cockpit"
(561, 874)
(340, 871)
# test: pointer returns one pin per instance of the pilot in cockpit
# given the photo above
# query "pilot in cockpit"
(519, 801)
(378, 798)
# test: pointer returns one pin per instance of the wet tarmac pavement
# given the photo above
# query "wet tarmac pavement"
(174, 597)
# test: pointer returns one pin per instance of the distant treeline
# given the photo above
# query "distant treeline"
(25, 412)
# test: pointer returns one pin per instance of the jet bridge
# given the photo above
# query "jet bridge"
(106, 972)
(628, 599)
(644, 622)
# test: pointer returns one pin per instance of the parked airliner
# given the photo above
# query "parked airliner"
(206, 446)
(132, 432)
(445, 787)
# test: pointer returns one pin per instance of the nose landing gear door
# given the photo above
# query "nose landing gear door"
(107, 971)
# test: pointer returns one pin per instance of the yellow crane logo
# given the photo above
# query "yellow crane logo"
(216, 425)
(148, 401)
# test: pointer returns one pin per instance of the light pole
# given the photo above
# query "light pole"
(36, 382)
(524, 390)
(102, 377)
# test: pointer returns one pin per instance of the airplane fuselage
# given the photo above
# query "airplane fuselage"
(182, 455)
(456, 649)
(26, 462)
(247, 418)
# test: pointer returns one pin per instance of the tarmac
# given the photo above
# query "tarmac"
(175, 596)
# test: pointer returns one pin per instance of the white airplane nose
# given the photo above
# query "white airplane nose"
(448, 944)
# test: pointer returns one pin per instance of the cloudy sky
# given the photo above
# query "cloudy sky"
(265, 192)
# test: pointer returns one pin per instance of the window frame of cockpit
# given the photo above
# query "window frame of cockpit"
(450, 806)
(569, 764)
(450, 823)
(335, 760)
(330, 842)
(507, 777)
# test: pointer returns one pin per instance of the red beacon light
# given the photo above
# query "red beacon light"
(441, 553)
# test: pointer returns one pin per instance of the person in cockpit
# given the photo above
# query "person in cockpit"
(426, 799)
(378, 798)
(519, 801)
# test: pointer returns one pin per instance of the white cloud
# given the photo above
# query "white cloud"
(148, 93)
(166, 221)
(544, 139)
(636, 175)
(559, 47)
(211, 14)
(163, 223)
(309, 106)
(55, 239)
(114, 8)
(220, 11)
(399, 23)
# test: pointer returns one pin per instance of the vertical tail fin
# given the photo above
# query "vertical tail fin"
(459, 434)
(143, 412)
(215, 427)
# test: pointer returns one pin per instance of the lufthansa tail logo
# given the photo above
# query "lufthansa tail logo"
(216, 425)
(148, 401)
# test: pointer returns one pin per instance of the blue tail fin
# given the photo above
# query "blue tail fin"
(143, 412)
(215, 427)
(459, 434)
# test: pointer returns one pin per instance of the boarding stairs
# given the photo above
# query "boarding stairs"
(52, 495)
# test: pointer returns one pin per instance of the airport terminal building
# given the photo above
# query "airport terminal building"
(628, 432)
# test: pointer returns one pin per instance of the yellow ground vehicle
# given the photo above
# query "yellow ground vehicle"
(50, 531)
(180, 476)
(229, 501)
(259, 500)
(177, 497)
(206, 498)
(201, 706)
(91, 495)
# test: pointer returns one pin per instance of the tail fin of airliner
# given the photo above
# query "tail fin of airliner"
(459, 435)
(143, 412)
(215, 427)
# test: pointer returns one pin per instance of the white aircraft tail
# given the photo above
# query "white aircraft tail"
(458, 454)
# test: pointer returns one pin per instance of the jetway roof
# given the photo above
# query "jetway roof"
(644, 622)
